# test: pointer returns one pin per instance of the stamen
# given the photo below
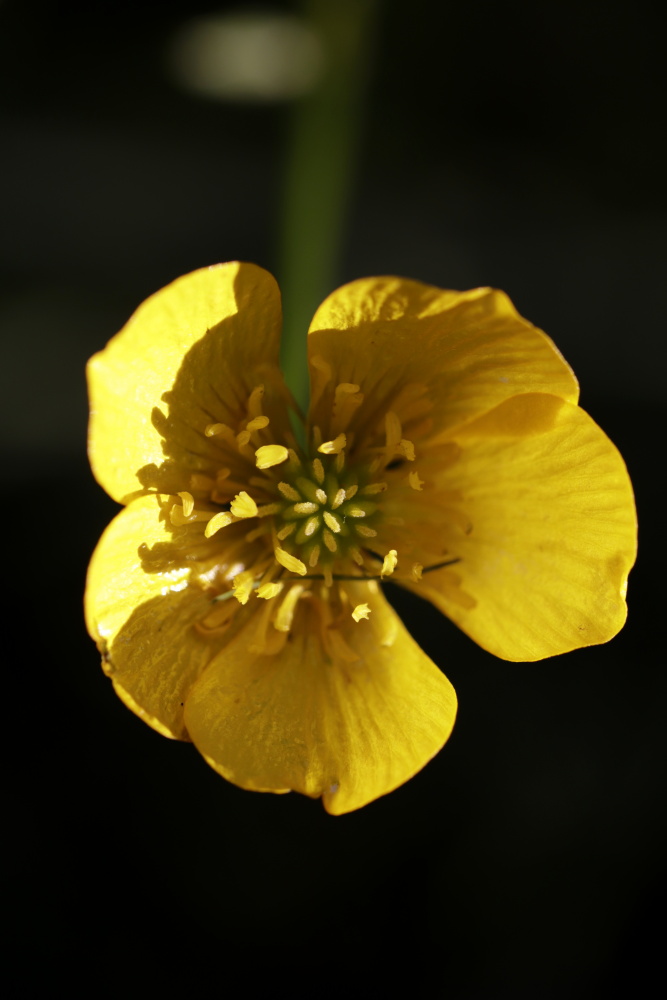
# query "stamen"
(407, 449)
(243, 505)
(373, 488)
(356, 512)
(357, 556)
(344, 389)
(347, 399)
(389, 564)
(340, 461)
(362, 529)
(339, 498)
(415, 481)
(178, 518)
(268, 509)
(269, 590)
(201, 483)
(285, 615)
(351, 491)
(288, 491)
(257, 424)
(220, 430)
(318, 470)
(256, 533)
(218, 521)
(361, 611)
(290, 562)
(314, 556)
(188, 503)
(242, 438)
(243, 586)
(270, 454)
(329, 541)
(255, 401)
(321, 495)
(393, 434)
(286, 531)
(333, 447)
(332, 522)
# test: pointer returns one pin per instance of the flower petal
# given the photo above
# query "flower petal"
(539, 510)
(207, 340)
(347, 727)
(426, 353)
(143, 621)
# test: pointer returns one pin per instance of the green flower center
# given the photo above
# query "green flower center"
(327, 512)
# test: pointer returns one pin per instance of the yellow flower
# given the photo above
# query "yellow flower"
(236, 598)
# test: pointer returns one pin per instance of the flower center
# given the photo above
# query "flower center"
(327, 512)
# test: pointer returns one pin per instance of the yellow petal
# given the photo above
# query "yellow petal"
(426, 353)
(206, 340)
(552, 530)
(349, 731)
(144, 621)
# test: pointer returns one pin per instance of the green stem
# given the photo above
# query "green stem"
(319, 175)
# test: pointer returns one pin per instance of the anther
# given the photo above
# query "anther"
(243, 505)
(257, 423)
(333, 447)
(270, 454)
(318, 470)
(314, 556)
(289, 492)
(321, 496)
(255, 401)
(188, 503)
(243, 586)
(289, 562)
(218, 521)
(415, 482)
(389, 564)
(339, 498)
(365, 531)
(361, 611)
(219, 430)
(286, 531)
(269, 590)
(373, 488)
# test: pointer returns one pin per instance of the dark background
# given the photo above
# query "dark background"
(511, 144)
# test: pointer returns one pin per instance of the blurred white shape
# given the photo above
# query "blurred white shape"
(247, 57)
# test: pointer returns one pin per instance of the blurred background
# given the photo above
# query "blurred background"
(513, 144)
